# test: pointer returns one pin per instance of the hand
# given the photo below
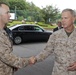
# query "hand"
(72, 67)
(32, 60)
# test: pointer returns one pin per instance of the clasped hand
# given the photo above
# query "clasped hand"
(32, 60)
(72, 67)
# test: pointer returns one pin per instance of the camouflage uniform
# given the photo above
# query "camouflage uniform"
(8, 61)
(64, 48)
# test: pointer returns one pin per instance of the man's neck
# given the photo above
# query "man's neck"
(1, 26)
(70, 29)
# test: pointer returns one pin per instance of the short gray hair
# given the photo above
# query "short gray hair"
(4, 3)
(71, 11)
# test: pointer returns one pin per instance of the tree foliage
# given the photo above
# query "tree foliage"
(50, 13)
(33, 13)
(20, 4)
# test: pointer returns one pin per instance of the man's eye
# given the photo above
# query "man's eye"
(8, 12)
(65, 17)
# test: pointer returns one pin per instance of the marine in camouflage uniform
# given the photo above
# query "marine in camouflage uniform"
(8, 61)
(64, 48)
(63, 45)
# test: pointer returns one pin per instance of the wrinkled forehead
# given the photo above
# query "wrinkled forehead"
(64, 12)
(71, 13)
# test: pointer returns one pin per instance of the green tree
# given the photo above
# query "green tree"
(18, 7)
(50, 14)
(34, 12)
(25, 9)
(29, 9)
(20, 4)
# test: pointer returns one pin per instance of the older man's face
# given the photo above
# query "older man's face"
(67, 19)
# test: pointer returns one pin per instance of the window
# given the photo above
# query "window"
(28, 28)
(21, 28)
(37, 29)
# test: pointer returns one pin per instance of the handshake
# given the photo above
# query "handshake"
(32, 60)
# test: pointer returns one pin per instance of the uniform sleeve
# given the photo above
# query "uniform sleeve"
(8, 58)
(49, 49)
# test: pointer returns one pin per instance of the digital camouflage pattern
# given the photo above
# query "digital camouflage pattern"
(8, 61)
(64, 48)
